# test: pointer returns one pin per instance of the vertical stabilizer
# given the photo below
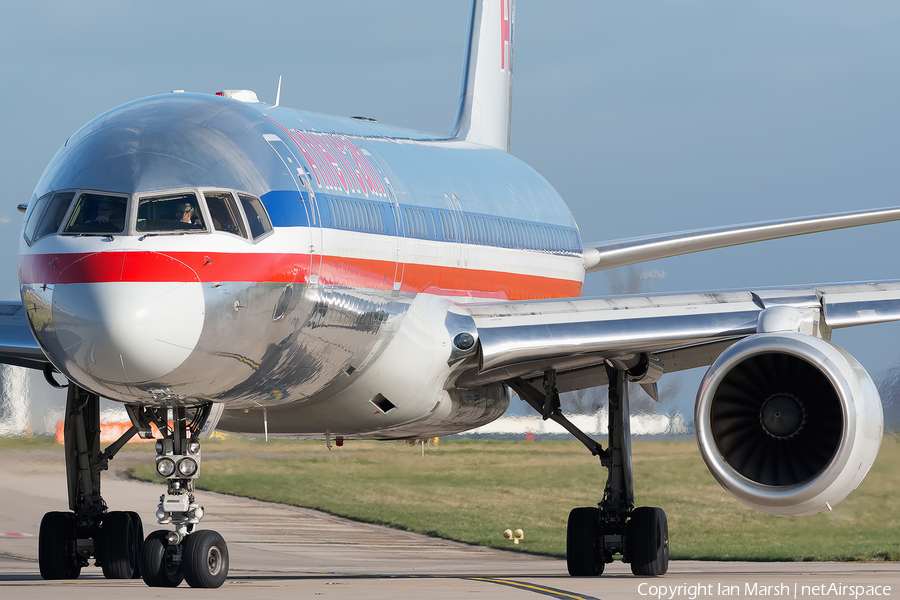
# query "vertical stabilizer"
(485, 99)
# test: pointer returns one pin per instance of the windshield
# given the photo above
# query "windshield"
(172, 212)
(97, 213)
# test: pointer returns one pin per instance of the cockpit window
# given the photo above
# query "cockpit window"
(225, 213)
(97, 213)
(47, 215)
(256, 216)
(172, 212)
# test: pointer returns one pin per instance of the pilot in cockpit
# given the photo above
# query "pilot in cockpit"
(185, 213)
(110, 217)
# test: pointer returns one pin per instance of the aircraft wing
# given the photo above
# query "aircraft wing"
(17, 344)
(619, 253)
(654, 334)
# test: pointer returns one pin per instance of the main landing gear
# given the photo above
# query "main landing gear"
(115, 539)
(614, 526)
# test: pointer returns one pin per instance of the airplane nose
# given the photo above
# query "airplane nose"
(129, 331)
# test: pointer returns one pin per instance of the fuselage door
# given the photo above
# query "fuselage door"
(311, 243)
(400, 227)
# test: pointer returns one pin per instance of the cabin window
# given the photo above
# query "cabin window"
(358, 212)
(448, 222)
(47, 215)
(97, 213)
(225, 214)
(170, 213)
(346, 219)
(423, 222)
(334, 214)
(257, 217)
(370, 217)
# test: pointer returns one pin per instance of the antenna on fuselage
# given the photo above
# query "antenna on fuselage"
(277, 94)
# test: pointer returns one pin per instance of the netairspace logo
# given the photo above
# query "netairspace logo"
(796, 590)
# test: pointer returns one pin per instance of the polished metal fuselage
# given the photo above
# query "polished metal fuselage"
(310, 326)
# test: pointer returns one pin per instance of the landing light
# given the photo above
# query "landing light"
(187, 466)
(165, 467)
(194, 447)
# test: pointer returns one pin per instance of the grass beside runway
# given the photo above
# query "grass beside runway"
(472, 490)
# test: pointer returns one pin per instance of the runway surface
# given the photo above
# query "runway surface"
(279, 551)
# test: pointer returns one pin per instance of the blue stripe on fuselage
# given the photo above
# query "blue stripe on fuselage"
(291, 209)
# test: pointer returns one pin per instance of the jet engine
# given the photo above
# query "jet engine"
(788, 423)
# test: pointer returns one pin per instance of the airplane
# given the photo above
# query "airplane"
(251, 268)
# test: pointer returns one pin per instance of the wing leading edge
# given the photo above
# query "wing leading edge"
(619, 253)
(17, 344)
(577, 337)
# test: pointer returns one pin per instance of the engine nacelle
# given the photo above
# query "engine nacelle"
(789, 424)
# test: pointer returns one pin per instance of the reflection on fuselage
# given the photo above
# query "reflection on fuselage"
(191, 250)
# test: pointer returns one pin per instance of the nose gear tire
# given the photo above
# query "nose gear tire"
(159, 564)
(205, 559)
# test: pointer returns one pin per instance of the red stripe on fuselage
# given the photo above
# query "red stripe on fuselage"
(213, 267)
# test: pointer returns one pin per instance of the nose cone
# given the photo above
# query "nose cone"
(128, 331)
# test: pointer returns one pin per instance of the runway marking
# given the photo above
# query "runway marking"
(8, 556)
(16, 535)
(543, 590)
(546, 591)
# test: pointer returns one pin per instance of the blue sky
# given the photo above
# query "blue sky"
(647, 117)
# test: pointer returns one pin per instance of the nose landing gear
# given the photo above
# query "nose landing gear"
(168, 557)
(115, 539)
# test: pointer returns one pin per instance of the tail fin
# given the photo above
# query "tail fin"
(485, 100)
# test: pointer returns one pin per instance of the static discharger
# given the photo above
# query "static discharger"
(516, 536)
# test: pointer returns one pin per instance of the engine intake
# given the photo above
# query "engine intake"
(787, 423)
